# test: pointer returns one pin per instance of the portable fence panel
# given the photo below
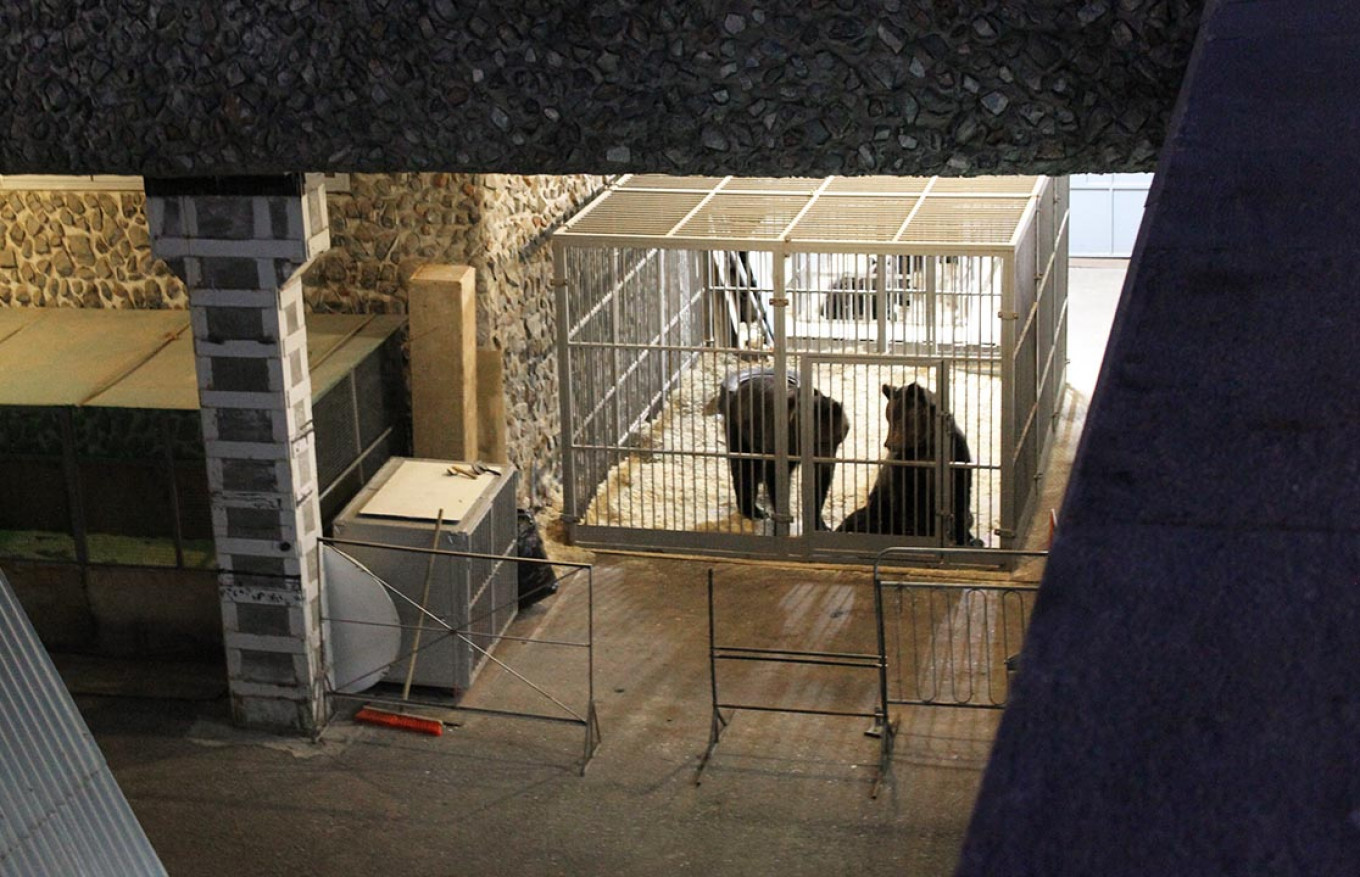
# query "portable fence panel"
(543, 670)
(953, 645)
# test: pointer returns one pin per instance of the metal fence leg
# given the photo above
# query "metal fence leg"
(714, 733)
(887, 737)
(592, 736)
(716, 723)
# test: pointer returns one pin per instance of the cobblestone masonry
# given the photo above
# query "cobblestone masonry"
(558, 86)
(387, 225)
(380, 231)
(83, 249)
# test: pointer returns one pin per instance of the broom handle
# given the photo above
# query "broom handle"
(424, 598)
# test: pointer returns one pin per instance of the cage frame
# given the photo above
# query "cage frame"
(1033, 293)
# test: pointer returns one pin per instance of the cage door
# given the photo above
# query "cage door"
(878, 486)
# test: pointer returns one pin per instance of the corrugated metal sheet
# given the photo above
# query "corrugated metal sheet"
(61, 812)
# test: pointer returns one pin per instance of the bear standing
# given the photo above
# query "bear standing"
(903, 500)
(746, 402)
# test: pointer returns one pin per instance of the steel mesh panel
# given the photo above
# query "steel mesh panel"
(638, 212)
(336, 435)
(375, 385)
(1013, 185)
(990, 221)
(664, 181)
(36, 496)
(113, 487)
(29, 431)
(794, 185)
(195, 502)
(750, 217)
(844, 218)
(878, 185)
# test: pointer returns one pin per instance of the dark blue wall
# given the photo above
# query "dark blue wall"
(1189, 696)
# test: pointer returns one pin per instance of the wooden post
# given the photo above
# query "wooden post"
(491, 445)
(443, 320)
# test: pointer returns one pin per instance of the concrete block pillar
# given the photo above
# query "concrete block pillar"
(239, 244)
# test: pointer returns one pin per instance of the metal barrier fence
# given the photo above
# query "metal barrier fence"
(471, 632)
(939, 644)
(950, 644)
(851, 660)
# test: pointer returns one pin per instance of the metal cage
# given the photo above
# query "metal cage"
(681, 301)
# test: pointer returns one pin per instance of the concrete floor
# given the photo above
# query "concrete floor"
(784, 794)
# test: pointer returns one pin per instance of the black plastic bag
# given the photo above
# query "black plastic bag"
(536, 580)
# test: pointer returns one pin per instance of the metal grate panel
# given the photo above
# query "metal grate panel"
(752, 217)
(641, 212)
(1016, 186)
(751, 213)
(663, 181)
(843, 218)
(790, 185)
(877, 185)
(977, 220)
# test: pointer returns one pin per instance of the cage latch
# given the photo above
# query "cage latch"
(1007, 315)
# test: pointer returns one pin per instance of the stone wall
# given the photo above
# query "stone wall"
(389, 224)
(558, 86)
(92, 250)
(81, 249)
(520, 312)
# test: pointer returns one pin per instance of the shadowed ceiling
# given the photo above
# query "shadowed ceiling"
(910, 87)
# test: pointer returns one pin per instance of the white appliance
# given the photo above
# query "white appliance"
(474, 596)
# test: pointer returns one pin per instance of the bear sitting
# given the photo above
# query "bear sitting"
(903, 500)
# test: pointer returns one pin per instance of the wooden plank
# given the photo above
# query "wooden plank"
(71, 354)
(491, 426)
(346, 344)
(164, 382)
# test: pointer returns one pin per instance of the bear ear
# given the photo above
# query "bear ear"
(888, 390)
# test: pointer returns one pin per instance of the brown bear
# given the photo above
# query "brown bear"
(746, 402)
(903, 499)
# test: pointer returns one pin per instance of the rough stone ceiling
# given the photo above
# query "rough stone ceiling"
(808, 87)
